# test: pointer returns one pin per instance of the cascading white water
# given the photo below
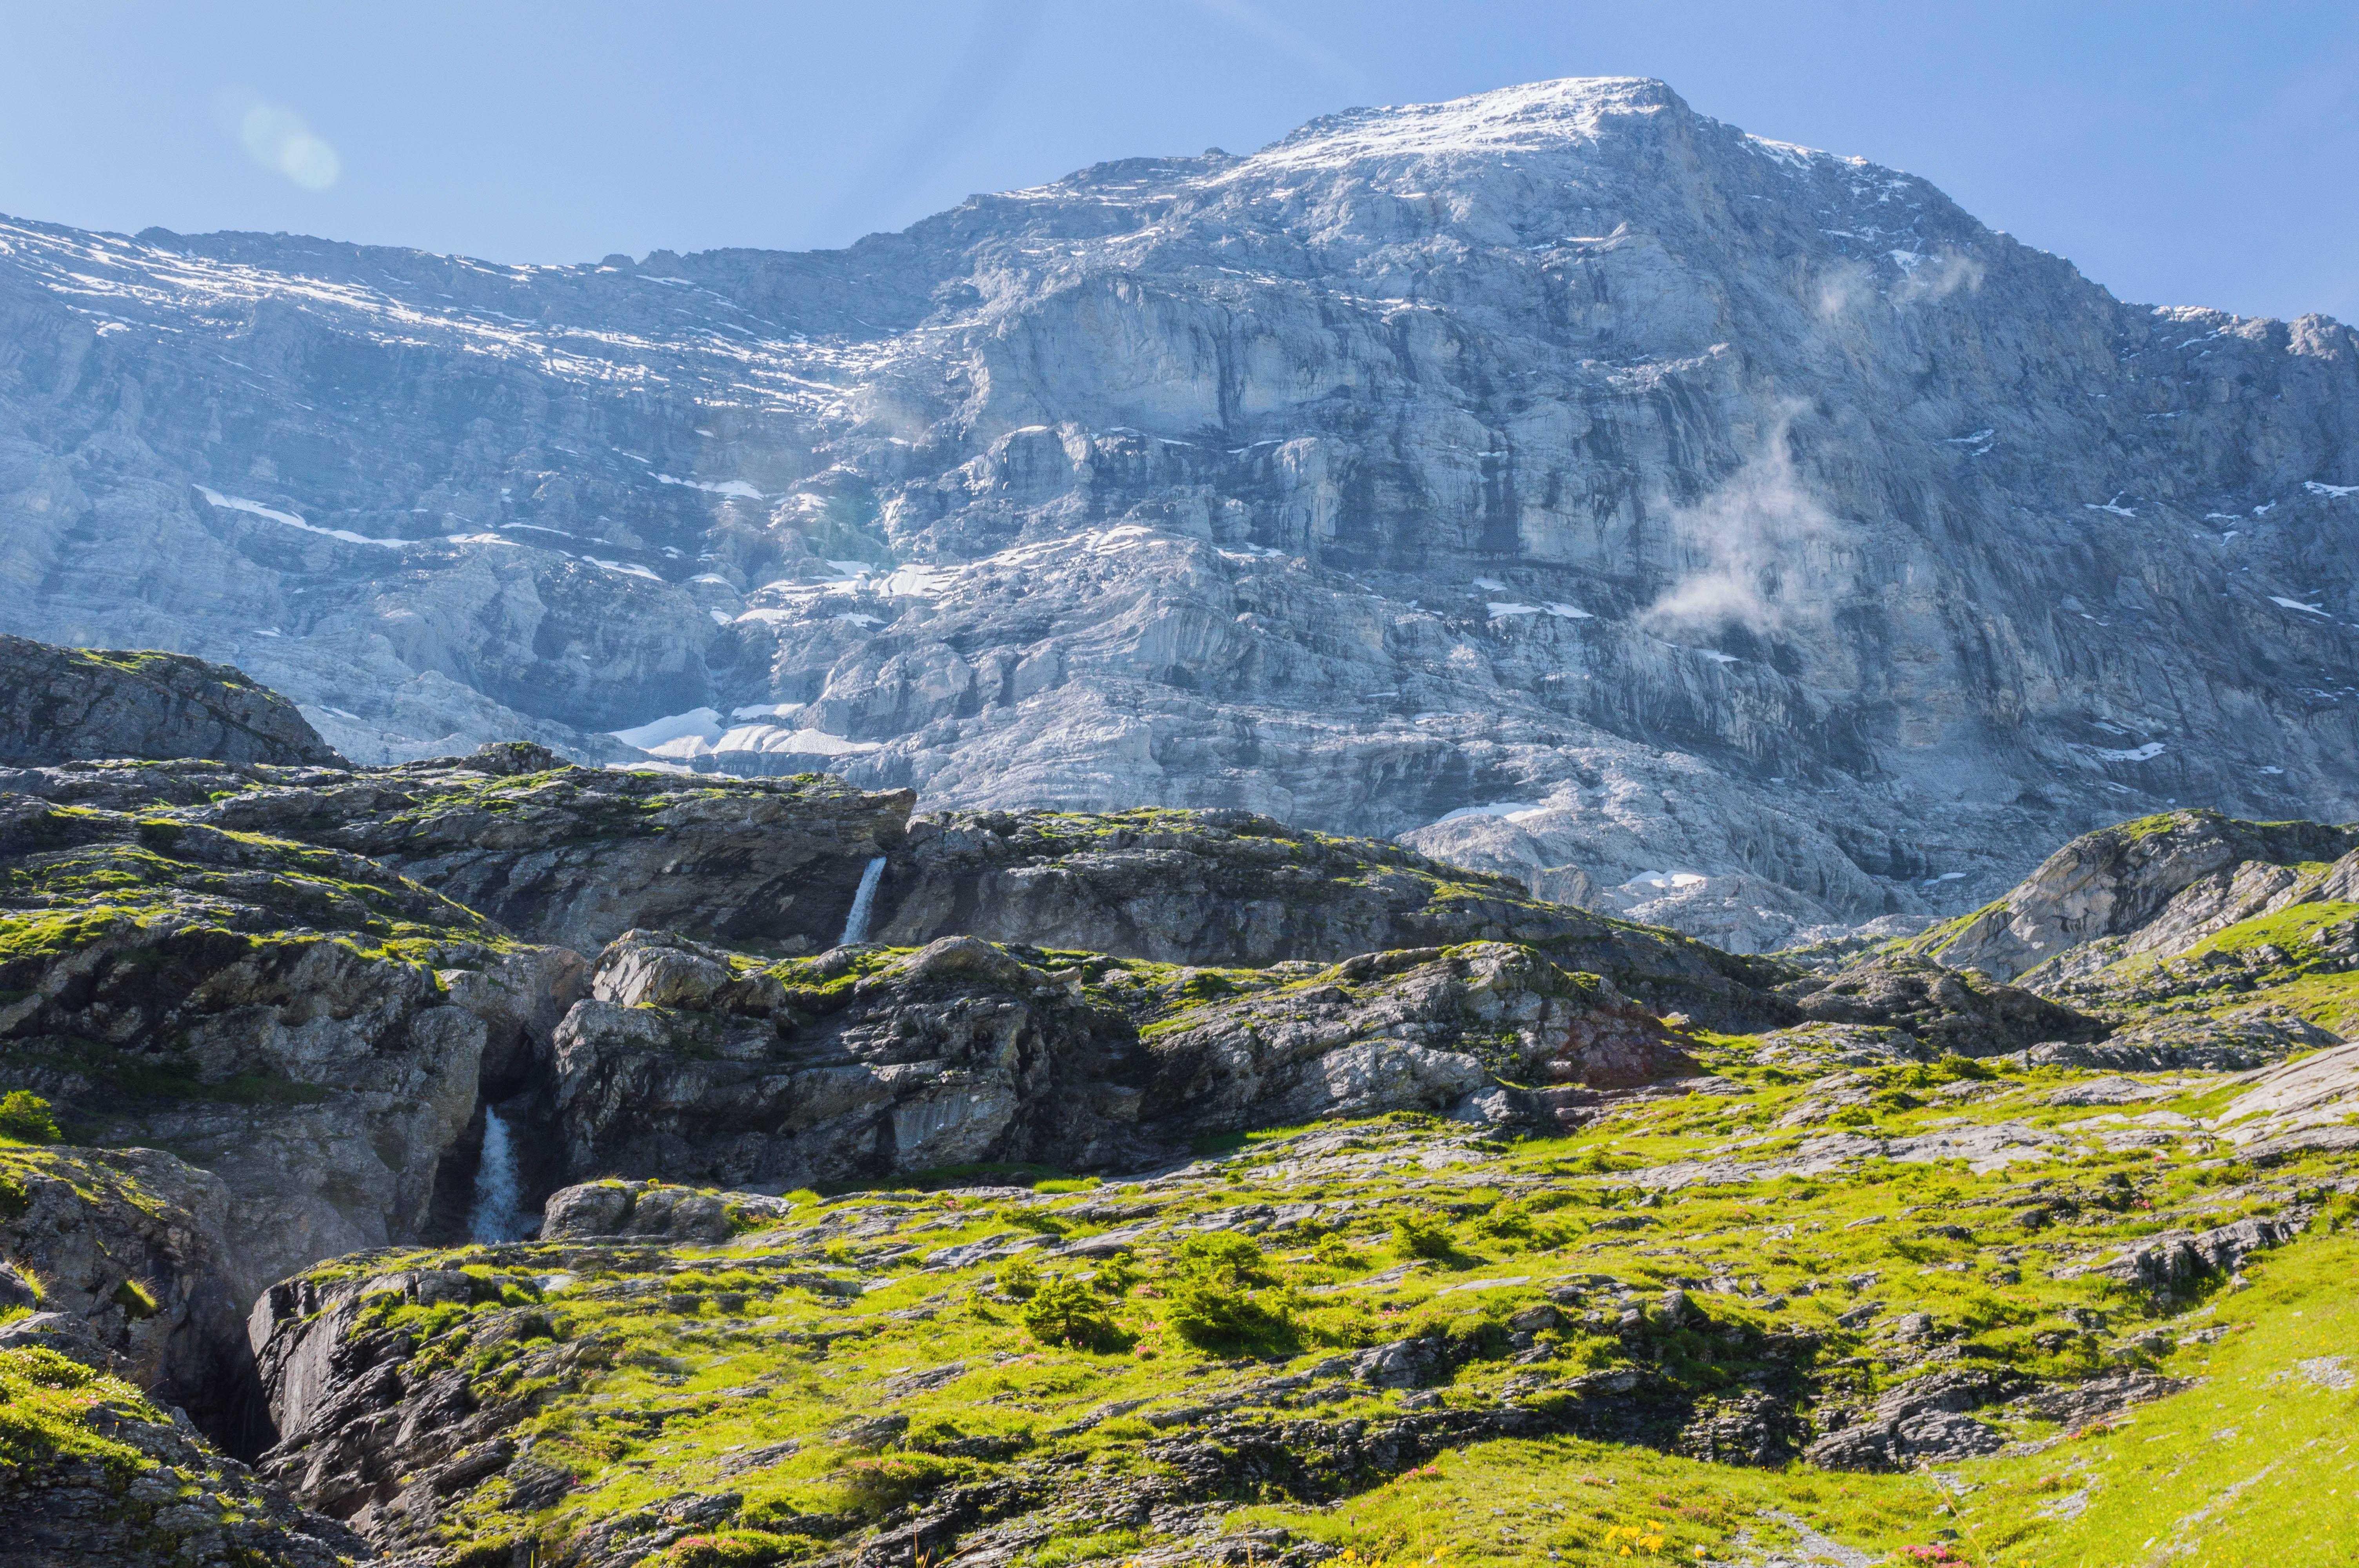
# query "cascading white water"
(856, 925)
(499, 1214)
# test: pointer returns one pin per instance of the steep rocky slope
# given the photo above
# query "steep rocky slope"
(2157, 885)
(1750, 539)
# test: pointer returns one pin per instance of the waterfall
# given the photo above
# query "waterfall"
(856, 925)
(497, 1215)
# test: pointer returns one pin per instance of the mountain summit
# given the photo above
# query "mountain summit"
(1696, 525)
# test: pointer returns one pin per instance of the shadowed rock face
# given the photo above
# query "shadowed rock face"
(1697, 505)
(168, 1497)
(132, 1243)
(58, 704)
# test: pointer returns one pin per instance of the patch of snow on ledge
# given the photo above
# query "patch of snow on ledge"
(1666, 880)
(1513, 810)
(703, 722)
(625, 567)
(736, 487)
(239, 504)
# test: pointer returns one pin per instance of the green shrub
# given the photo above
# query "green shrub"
(25, 1117)
(1213, 1317)
(1504, 1221)
(1421, 1236)
(1336, 1253)
(1044, 1225)
(1222, 1257)
(1066, 1311)
(1208, 1296)
(1016, 1277)
(1115, 1276)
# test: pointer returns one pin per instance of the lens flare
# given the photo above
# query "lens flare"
(277, 139)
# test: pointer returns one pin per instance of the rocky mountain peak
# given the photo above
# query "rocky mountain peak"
(1714, 531)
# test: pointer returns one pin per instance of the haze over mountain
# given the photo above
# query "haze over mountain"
(1726, 533)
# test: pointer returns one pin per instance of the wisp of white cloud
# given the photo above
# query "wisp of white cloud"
(1744, 539)
(1939, 278)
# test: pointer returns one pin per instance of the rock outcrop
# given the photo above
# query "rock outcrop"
(1948, 1011)
(59, 704)
(367, 1435)
(867, 1063)
(2300, 1105)
(132, 1245)
(552, 852)
(119, 1481)
(306, 1025)
(1236, 889)
(2155, 885)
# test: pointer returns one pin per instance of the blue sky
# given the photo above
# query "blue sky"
(2179, 153)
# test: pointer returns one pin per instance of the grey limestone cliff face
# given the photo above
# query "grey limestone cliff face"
(60, 703)
(1745, 535)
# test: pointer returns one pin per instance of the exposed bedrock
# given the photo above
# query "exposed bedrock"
(2158, 885)
(858, 1064)
(306, 1026)
(1233, 888)
(135, 1245)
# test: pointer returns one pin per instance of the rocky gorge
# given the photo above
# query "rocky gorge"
(489, 1159)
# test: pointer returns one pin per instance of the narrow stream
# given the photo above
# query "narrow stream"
(856, 925)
